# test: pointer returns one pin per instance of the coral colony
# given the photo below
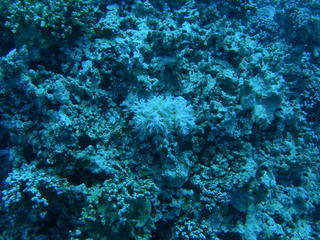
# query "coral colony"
(160, 119)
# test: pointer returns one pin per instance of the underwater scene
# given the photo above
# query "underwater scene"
(160, 119)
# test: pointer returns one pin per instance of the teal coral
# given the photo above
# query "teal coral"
(29, 198)
(119, 208)
(149, 120)
(51, 21)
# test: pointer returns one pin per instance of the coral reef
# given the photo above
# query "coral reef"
(146, 120)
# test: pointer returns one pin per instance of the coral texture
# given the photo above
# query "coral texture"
(161, 117)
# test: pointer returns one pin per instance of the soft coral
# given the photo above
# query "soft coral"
(162, 116)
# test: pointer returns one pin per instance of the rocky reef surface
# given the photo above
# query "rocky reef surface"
(153, 120)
